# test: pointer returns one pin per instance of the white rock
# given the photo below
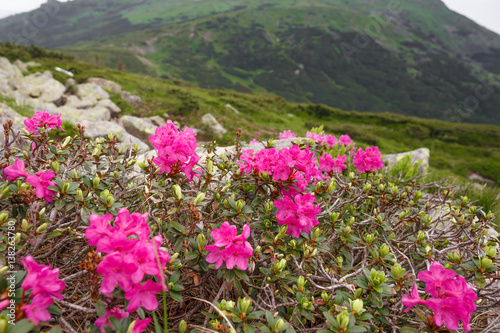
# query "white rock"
(106, 84)
(41, 86)
(132, 99)
(92, 92)
(112, 107)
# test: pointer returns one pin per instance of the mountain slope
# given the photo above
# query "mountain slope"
(416, 58)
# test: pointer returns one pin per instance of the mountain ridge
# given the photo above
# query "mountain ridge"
(415, 58)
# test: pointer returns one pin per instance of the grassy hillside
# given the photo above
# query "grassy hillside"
(416, 58)
(456, 149)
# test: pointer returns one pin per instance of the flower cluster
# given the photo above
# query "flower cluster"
(324, 139)
(452, 299)
(287, 135)
(43, 120)
(130, 256)
(119, 314)
(41, 180)
(42, 283)
(235, 248)
(176, 149)
(298, 214)
(287, 165)
(329, 164)
(368, 159)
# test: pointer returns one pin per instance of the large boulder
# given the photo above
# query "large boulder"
(420, 155)
(112, 107)
(74, 115)
(106, 84)
(41, 86)
(91, 92)
(132, 99)
(129, 141)
(10, 72)
(215, 127)
(77, 103)
(139, 127)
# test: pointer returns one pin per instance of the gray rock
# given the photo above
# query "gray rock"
(475, 177)
(112, 107)
(41, 86)
(21, 65)
(91, 92)
(99, 129)
(215, 127)
(10, 72)
(106, 84)
(70, 82)
(422, 154)
(75, 116)
(76, 103)
(132, 99)
(129, 141)
(139, 127)
(157, 120)
(4, 86)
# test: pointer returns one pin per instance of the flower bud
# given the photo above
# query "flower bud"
(454, 257)
(306, 304)
(351, 221)
(331, 186)
(4, 323)
(301, 282)
(282, 230)
(358, 293)
(369, 238)
(202, 241)
(183, 326)
(177, 191)
(319, 186)
(280, 265)
(199, 198)
(316, 233)
(357, 306)
(25, 225)
(142, 164)
(3, 217)
(79, 195)
(226, 203)
(333, 216)
(41, 228)
(278, 327)
(3, 270)
(339, 260)
(65, 187)
(55, 166)
(110, 200)
(324, 296)
(17, 237)
(170, 285)
(377, 278)
(66, 142)
(268, 223)
(351, 175)
(131, 162)
(384, 250)
(398, 272)
(347, 230)
(5, 192)
(269, 206)
(421, 236)
(381, 187)
(264, 176)
(96, 181)
(244, 304)
(210, 166)
(367, 187)
(343, 319)
(74, 174)
(239, 205)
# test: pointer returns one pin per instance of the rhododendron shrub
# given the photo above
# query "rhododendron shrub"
(305, 234)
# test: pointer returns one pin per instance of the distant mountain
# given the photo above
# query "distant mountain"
(413, 57)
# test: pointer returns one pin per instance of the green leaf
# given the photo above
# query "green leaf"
(241, 274)
(158, 328)
(22, 326)
(178, 226)
(247, 328)
(56, 329)
(100, 308)
(238, 287)
(176, 296)
(408, 329)
(55, 310)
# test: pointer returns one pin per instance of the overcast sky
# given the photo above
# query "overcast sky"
(484, 12)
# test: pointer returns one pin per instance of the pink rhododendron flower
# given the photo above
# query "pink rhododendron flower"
(176, 149)
(236, 250)
(345, 140)
(143, 295)
(140, 325)
(452, 299)
(15, 171)
(287, 135)
(254, 141)
(116, 271)
(4, 304)
(43, 119)
(324, 139)
(43, 284)
(115, 312)
(369, 159)
(37, 310)
(299, 215)
(329, 164)
(41, 181)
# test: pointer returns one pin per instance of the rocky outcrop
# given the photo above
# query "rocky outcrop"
(41, 86)
(106, 84)
(215, 127)
(91, 92)
(129, 97)
(112, 107)
(420, 155)
(141, 127)
(74, 115)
